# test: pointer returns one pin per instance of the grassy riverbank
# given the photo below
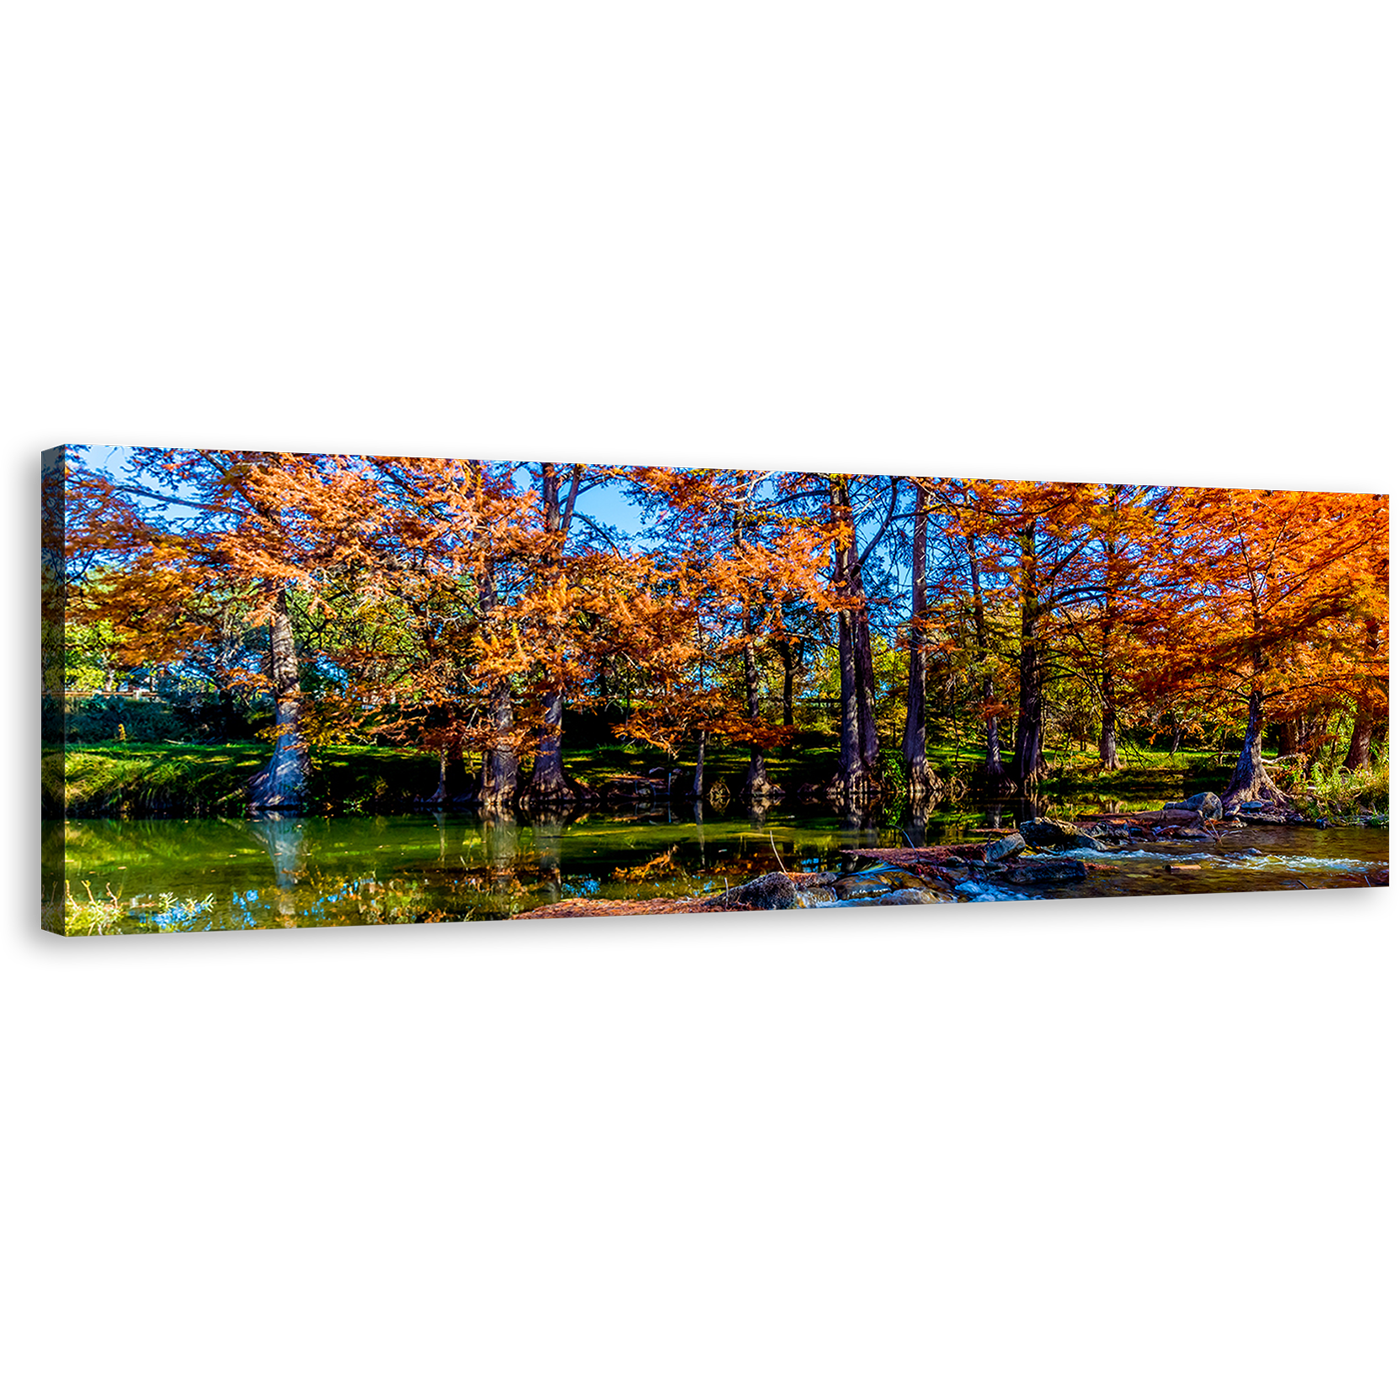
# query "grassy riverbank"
(171, 778)
(145, 779)
(1335, 794)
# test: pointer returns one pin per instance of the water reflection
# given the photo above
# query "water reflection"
(549, 854)
(279, 871)
(284, 839)
(698, 819)
(500, 837)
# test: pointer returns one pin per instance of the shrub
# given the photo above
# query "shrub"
(1337, 793)
(97, 720)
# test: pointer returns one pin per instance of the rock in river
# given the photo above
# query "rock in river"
(772, 891)
(912, 895)
(1007, 847)
(1047, 834)
(1042, 872)
(1206, 803)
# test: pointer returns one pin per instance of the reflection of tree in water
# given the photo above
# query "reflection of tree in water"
(549, 851)
(500, 842)
(699, 819)
(284, 839)
(858, 817)
(915, 824)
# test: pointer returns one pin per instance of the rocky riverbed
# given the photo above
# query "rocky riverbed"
(1196, 846)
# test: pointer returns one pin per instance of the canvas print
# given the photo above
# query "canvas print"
(285, 689)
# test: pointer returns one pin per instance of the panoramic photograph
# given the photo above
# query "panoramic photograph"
(289, 689)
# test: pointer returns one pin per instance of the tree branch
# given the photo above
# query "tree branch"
(885, 525)
(176, 501)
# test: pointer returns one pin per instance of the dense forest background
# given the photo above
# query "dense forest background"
(848, 636)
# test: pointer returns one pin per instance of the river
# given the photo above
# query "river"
(230, 873)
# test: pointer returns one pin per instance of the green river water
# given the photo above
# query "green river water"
(231, 873)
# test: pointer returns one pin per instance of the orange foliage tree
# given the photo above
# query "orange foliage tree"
(1269, 597)
(733, 558)
(180, 534)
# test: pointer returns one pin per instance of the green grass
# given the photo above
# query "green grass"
(152, 777)
(211, 778)
(167, 778)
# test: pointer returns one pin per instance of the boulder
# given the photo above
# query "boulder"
(1047, 834)
(772, 891)
(899, 896)
(886, 879)
(1043, 872)
(1113, 833)
(863, 886)
(1206, 803)
(1007, 847)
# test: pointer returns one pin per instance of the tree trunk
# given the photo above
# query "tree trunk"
(915, 747)
(1108, 681)
(1030, 714)
(282, 783)
(500, 767)
(1030, 720)
(852, 770)
(865, 681)
(1108, 719)
(227, 713)
(755, 783)
(859, 742)
(1108, 731)
(697, 782)
(1363, 728)
(789, 673)
(452, 775)
(756, 779)
(993, 765)
(549, 785)
(1251, 781)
